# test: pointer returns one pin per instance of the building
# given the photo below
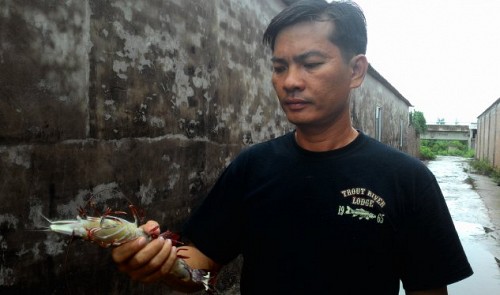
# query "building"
(465, 133)
(488, 135)
(382, 112)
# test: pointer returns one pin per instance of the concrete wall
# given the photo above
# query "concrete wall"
(147, 100)
(488, 135)
(130, 101)
(395, 129)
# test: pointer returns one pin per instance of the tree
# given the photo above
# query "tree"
(440, 121)
(418, 122)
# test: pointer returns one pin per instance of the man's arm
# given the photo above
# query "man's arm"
(153, 261)
(440, 291)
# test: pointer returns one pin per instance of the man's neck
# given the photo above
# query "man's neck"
(325, 140)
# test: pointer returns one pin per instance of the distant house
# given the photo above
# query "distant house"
(488, 135)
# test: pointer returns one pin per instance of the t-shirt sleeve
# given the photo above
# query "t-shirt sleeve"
(215, 226)
(432, 255)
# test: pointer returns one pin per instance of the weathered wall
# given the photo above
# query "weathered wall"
(144, 101)
(147, 100)
(376, 92)
(488, 135)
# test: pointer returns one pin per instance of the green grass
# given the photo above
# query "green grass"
(483, 167)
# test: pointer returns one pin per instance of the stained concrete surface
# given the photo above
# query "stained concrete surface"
(475, 207)
(489, 192)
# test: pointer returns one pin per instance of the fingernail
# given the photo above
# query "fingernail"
(141, 241)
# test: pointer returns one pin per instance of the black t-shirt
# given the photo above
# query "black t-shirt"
(354, 220)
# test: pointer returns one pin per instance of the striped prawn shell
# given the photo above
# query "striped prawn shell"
(105, 231)
(110, 230)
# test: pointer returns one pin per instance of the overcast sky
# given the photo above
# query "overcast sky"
(442, 55)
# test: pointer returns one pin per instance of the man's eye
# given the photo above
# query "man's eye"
(279, 69)
(312, 65)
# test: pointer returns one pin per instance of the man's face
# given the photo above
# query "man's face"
(310, 77)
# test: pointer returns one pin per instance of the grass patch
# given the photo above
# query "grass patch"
(430, 148)
(469, 180)
(483, 167)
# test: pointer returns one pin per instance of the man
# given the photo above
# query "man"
(324, 209)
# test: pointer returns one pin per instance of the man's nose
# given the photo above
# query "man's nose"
(293, 80)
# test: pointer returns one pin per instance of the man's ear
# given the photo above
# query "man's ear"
(359, 66)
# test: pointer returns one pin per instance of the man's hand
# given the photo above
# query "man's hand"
(152, 262)
(146, 262)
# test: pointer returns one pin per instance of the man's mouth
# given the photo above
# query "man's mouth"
(295, 103)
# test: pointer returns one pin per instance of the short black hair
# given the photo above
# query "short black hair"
(349, 21)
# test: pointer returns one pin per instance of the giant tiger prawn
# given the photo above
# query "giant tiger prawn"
(109, 230)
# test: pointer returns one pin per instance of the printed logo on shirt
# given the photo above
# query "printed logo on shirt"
(362, 197)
